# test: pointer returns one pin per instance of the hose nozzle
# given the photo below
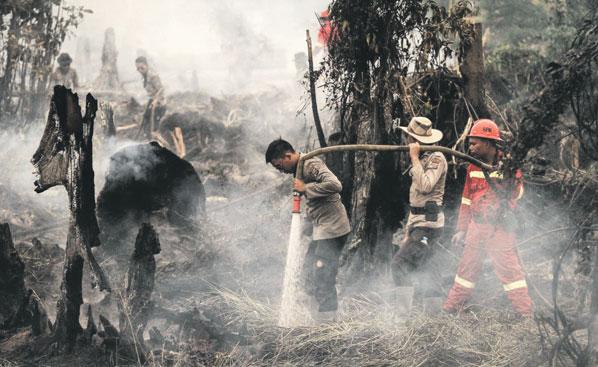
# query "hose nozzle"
(296, 202)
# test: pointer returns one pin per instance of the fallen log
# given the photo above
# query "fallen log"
(65, 157)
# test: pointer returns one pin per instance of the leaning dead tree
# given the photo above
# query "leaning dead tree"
(64, 157)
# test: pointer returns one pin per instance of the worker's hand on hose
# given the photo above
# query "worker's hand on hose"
(299, 186)
(457, 240)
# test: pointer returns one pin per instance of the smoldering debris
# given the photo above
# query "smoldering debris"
(143, 179)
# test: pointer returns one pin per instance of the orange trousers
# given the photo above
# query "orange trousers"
(499, 246)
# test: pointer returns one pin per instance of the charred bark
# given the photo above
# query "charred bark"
(472, 71)
(64, 157)
(593, 324)
(376, 207)
(31, 312)
(121, 349)
(107, 120)
(136, 305)
(12, 275)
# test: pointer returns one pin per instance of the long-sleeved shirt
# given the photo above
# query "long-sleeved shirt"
(427, 184)
(323, 205)
(480, 202)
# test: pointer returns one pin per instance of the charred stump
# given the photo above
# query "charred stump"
(12, 275)
(136, 305)
(31, 312)
(64, 157)
(107, 119)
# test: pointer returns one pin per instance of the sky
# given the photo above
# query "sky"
(257, 38)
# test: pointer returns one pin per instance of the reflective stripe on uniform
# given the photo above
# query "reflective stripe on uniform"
(515, 285)
(520, 195)
(465, 201)
(480, 174)
(464, 283)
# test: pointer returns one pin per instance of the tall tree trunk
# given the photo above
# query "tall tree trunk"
(375, 182)
(472, 70)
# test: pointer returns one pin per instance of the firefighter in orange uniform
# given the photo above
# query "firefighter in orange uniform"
(325, 28)
(483, 226)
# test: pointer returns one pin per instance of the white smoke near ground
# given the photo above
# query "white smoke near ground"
(234, 47)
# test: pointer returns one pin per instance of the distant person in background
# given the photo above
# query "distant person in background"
(64, 75)
(155, 108)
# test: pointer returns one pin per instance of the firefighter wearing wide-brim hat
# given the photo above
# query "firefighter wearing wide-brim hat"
(64, 74)
(483, 228)
(426, 219)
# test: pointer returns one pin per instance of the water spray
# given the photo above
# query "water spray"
(295, 305)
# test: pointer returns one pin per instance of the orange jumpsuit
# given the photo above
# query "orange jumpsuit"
(485, 233)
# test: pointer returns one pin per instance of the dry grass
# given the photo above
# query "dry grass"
(368, 334)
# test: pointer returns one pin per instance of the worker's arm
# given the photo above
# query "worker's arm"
(157, 84)
(464, 210)
(426, 179)
(324, 183)
(518, 189)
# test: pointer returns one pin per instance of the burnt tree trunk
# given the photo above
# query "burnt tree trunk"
(64, 157)
(375, 187)
(12, 272)
(136, 304)
(108, 78)
(472, 71)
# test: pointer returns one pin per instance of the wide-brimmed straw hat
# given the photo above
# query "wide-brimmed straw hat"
(420, 128)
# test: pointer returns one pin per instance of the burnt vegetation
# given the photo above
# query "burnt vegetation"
(185, 250)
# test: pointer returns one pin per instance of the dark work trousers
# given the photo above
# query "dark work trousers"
(321, 267)
(415, 252)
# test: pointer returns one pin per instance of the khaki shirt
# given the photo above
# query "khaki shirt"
(68, 79)
(153, 85)
(323, 205)
(427, 184)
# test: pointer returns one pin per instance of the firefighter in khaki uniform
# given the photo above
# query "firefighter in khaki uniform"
(329, 218)
(482, 230)
(426, 219)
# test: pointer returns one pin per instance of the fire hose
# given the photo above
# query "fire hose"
(379, 148)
